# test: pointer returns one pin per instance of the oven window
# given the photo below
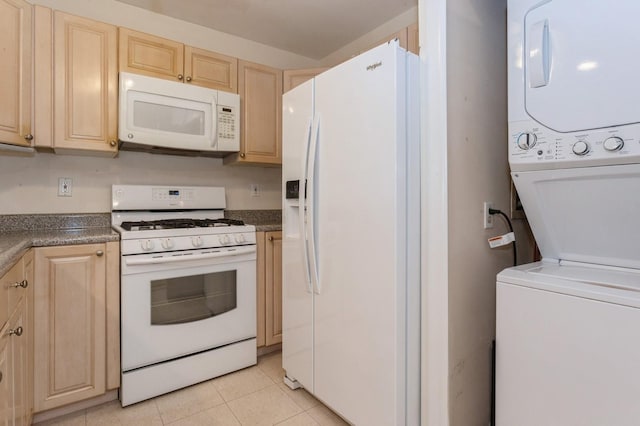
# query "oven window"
(192, 298)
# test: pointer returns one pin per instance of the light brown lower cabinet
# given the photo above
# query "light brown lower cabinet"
(75, 323)
(269, 287)
(16, 397)
(14, 385)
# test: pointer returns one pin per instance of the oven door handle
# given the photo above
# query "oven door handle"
(186, 258)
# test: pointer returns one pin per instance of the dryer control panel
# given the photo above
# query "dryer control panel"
(534, 147)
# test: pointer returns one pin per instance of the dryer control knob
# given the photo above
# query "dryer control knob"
(526, 140)
(580, 148)
(613, 144)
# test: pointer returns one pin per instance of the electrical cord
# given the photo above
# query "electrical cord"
(500, 212)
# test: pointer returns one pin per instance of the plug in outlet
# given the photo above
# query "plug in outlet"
(488, 218)
(254, 189)
(64, 187)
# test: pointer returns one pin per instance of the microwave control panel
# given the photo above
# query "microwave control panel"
(227, 122)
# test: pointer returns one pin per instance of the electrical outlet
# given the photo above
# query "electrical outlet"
(254, 189)
(488, 218)
(65, 185)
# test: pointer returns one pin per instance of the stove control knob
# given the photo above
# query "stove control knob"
(196, 241)
(526, 141)
(613, 144)
(224, 239)
(580, 148)
(240, 238)
(166, 243)
(146, 245)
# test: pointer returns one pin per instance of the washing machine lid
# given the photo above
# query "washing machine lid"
(581, 72)
(589, 215)
(586, 281)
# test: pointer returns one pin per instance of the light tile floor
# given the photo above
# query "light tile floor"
(253, 396)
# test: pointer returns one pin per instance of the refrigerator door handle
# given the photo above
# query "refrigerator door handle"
(312, 208)
(302, 207)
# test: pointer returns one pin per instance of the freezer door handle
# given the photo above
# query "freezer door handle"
(312, 208)
(302, 195)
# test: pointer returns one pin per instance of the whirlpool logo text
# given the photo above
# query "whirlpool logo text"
(374, 66)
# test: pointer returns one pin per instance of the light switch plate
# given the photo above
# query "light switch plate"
(65, 186)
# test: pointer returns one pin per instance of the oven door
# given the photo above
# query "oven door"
(181, 307)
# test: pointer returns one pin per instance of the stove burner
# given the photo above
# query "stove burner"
(178, 223)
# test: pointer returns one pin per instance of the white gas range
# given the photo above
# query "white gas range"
(188, 288)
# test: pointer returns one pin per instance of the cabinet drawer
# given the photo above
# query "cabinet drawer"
(10, 291)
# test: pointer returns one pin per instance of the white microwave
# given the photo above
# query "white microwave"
(170, 117)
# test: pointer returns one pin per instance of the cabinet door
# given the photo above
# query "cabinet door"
(10, 294)
(69, 324)
(150, 55)
(27, 342)
(209, 69)
(6, 379)
(273, 275)
(85, 84)
(113, 314)
(293, 78)
(260, 89)
(19, 336)
(15, 72)
(260, 289)
(413, 40)
(14, 403)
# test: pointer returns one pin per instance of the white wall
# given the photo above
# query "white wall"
(435, 233)
(477, 171)
(30, 184)
(464, 110)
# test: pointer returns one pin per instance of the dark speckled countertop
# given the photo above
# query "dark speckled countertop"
(20, 232)
(264, 220)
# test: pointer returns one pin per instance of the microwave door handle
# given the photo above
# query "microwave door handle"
(214, 124)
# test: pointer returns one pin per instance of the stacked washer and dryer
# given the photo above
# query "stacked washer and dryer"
(568, 327)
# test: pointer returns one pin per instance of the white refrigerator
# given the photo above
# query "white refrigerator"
(351, 232)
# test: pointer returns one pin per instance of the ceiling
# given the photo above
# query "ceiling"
(311, 28)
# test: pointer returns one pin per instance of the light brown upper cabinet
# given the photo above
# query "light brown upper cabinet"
(15, 72)
(158, 57)
(260, 89)
(407, 38)
(76, 108)
(294, 78)
(400, 35)
(413, 41)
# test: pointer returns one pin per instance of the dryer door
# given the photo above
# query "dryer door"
(581, 67)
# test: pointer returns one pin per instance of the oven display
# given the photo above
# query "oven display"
(163, 194)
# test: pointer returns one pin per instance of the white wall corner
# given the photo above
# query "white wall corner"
(435, 304)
